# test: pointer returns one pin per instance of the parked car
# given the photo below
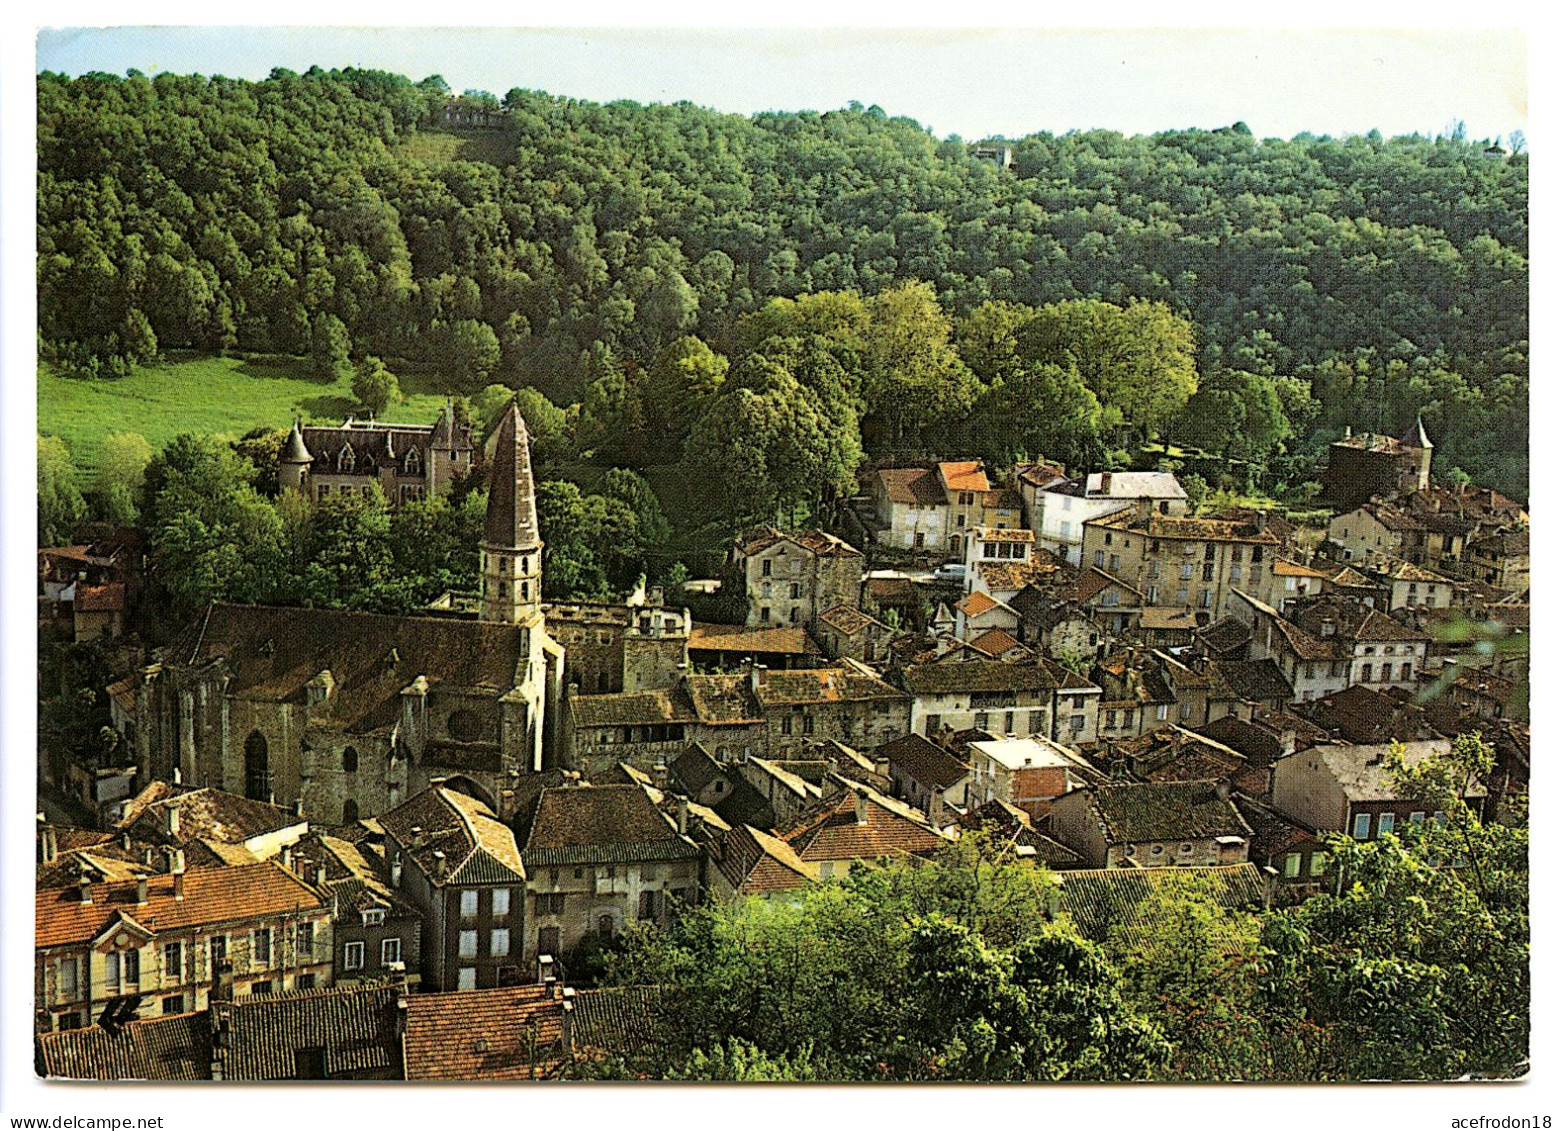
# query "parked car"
(950, 571)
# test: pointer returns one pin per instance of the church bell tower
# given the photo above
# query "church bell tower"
(511, 563)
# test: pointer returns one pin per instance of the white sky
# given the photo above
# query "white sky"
(972, 82)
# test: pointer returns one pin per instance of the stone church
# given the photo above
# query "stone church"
(349, 714)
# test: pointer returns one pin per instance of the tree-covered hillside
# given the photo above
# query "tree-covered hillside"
(1390, 275)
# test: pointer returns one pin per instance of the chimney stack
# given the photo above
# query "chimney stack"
(141, 891)
(178, 871)
(683, 816)
(439, 865)
(84, 890)
(171, 814)
(862, 808)
(124, 840)
(50, 845)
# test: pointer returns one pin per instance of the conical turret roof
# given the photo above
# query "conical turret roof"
(296, 451)
(512, 500)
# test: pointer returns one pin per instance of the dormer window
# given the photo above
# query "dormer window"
(346, 459)
(374, 917)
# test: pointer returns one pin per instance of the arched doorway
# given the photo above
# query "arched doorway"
(257, 768)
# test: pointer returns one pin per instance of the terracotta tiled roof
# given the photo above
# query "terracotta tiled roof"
(891, 828)
(1254, 680)
(907, 485)
(815, 541)
(632, 708)
(840, 684)
(723, 700)
(165, 1048)
(510, 1033)
(1352, 620)
(977, 675)
(1008, 576)
(975, 603)
(756, 863)
(1175, 527)
(964, 475)
(1360, 714)
(618, 1020)
(1041, 473)
(1283, 568)
(739, 638)
(1167, 618)
(1014, 825)
(923, 761)
(1099, 898)
(599, 824)
(204, 814)
(355, 1030)
(1273, 832)
(478, 847)
(995, 534)
(995, 642)
(1227, 636)
(123, 692)
(1132, 813)
(211, 895)
(1004, 498)
(850, 621)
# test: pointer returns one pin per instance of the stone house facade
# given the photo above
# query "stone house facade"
(163, 944)
(1165, 824)
(1178, 562)
(792, 578)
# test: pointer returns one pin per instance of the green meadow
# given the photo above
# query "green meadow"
(218, 395)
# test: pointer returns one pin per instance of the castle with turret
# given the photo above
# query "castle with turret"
(1365, 466)
(407, 461)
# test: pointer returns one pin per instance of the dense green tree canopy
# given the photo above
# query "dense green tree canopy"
(331, 211)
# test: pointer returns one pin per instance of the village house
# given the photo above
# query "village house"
(861, 826)
(451, 857)
(932, 509)
(163, 944)
(1365, 466)
(791, 578)
(760, 712)
(728, 647)
(1345, 788)
(1057, 510)
(1500, 559)
(1289, 581)
(176, 815)
(377, 934)
(920, 771)
(1403, 585)
(1036, 699)
(406, 461)
(1175, 754)
(1293, 852)
(86, 592)
(1330, 643)
(600, 858)
(1027, 773)
(849, 633)
(1181, 563)
(1130, 825)
(1424, 538)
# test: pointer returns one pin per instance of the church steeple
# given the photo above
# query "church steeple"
(512, 549)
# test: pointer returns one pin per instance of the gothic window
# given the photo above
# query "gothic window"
(412, 464)
(346, 459)
(257, 770)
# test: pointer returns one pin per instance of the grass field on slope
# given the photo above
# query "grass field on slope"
(218, 395)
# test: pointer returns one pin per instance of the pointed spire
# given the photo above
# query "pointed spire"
(1416, 437)
(512, 504)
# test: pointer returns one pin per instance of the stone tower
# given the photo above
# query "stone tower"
(1418, 457)
(293, 466)
(511, 564)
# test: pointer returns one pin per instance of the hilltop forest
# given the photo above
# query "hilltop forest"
(775, 298)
